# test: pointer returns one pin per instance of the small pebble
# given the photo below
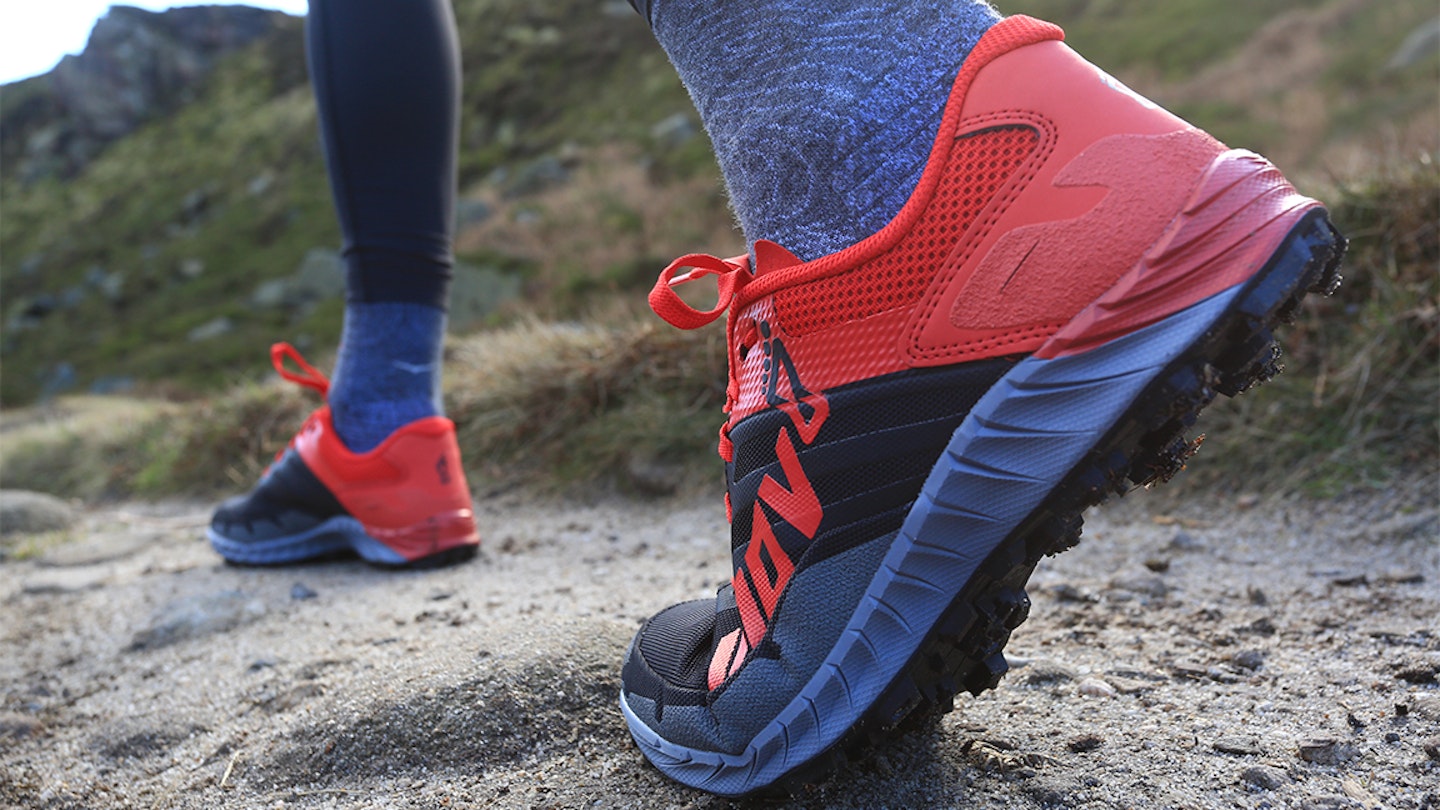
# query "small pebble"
(1256, 596)
(1044, 671)
(1326, 751)
(1249, 659)
(1264, 777)
(1158, 564)
(1426, 706)
(1142, 584)
(1096, 687)
(1392, 737)
(1432, 748)
(1239, 746)
(300, 592)
(1085, 742)
(1402, 576)
(1184, 541)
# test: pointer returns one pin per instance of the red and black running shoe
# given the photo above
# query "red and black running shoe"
(916, 420)
(404, 503)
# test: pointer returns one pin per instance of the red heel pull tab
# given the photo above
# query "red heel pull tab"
(311, 378)
(731, 276)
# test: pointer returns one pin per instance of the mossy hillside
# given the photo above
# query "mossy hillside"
(234, 183)
(1308, 83)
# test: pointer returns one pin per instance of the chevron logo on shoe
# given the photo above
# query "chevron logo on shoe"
(766, 568)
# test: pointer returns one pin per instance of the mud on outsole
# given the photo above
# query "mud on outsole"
(965, 650)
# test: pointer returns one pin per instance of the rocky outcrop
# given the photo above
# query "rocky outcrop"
(137, 65)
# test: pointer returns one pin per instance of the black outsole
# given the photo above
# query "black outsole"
(964, 651)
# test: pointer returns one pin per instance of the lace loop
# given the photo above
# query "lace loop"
(312, 378)
(732, 275)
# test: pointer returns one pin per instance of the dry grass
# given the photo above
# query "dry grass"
(1359, 403)
(621, 402)
(631, 405)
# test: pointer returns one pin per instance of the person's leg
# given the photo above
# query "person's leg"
(387, 83)
(822, 114)
(377, 471)
(1010, 286)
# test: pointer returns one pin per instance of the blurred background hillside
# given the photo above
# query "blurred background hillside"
(164, 217)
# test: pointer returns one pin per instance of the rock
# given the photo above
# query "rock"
(471, 211)
(1426, 706)
(476, 292)
(1142, 584)
(1239, 746)
(300, 592)
(1096, 687)
(538, 175)
(1418, 672)
(136, 65)
(674, 130)
(1264, 777)
(1045, 672)
(17, 726)
(1184, 541)
(1065, 592)
(24, 512)
(1400, 576)
(1326, 751)
(196, 616)
(1432, 748)
(1159, 565)
(1249, 659)
(1085, 742)
(1421, 42)
(260, 183)
(320, 276)
(1328, 803)
(210, 330)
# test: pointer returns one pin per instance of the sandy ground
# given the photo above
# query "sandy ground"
(1204, 653)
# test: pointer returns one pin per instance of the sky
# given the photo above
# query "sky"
(34, 34)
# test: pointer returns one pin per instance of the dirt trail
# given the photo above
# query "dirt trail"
(1196, 655)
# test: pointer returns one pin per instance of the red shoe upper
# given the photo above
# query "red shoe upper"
(409, 492)
(1058, 210)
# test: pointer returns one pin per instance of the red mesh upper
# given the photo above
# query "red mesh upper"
(978, 167)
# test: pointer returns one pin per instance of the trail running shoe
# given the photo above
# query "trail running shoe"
(916, 420)
(404, 503)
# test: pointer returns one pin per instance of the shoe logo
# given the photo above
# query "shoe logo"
(442, 469)
(766, 568)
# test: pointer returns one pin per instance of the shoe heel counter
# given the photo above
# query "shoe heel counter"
(1237, 217)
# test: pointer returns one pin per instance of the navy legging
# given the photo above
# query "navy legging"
(386, 75)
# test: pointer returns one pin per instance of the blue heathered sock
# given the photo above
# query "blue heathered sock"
(388, 371)
(822, 113)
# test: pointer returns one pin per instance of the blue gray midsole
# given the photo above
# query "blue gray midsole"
(1016, 445)
(335, 534)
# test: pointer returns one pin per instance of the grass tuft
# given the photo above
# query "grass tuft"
(1359, 403)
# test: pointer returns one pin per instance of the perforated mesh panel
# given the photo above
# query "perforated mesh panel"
(980, 165)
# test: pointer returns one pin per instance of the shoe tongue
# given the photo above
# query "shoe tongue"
(769, 257)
